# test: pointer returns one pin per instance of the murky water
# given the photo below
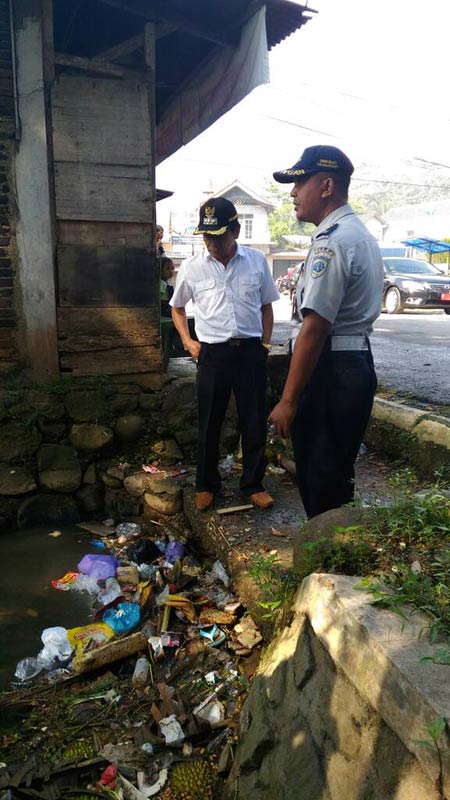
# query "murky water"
(29, 560)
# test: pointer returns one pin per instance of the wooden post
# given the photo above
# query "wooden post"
(35, 222)
(150, 61)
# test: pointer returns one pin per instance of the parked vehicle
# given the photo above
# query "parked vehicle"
(411, 283)
(288, 282)
(283, 283)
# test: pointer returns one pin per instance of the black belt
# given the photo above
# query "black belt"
(236, 342)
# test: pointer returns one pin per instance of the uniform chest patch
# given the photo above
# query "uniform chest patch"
(320, 259)
(319, 266)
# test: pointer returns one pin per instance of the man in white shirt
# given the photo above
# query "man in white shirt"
(328, 395)
(232, 292)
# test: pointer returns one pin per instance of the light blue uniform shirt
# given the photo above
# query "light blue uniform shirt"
(343, 279)
(227, 301)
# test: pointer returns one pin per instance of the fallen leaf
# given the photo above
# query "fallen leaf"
(275, 532)
(55, 534)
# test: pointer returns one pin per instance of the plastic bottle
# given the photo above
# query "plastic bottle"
(141, 672)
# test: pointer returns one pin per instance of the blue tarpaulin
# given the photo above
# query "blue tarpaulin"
(429, 245)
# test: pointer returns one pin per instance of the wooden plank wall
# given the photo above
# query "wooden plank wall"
(9, 357)
(108, 300)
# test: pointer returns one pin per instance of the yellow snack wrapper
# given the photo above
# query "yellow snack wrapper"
(88, 637)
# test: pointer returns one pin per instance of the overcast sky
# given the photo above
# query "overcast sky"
(369, 77)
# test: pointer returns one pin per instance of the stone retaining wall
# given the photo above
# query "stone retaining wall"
(74, 450)
(337, 702)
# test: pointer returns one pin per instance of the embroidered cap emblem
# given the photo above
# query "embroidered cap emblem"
(210, 218)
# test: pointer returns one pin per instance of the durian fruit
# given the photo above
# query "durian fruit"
(81, 750)
(193, 780)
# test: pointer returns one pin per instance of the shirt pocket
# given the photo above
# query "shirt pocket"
(202, 289)
(249, 286)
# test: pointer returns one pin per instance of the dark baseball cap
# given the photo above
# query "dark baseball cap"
(318, 158)
(215, 216)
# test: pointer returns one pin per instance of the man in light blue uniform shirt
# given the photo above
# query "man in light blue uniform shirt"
(329, 391)
(232, 292)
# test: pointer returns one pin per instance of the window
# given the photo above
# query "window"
(246, 221)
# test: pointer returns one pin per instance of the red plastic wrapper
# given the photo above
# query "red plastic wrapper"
(108, 777)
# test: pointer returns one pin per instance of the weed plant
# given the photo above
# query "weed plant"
(276, 588)
(402, 552)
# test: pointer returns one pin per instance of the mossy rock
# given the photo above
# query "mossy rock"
(129, 428)
(317, 536)
(18, 442)
(86, 405)
(39, 405)
(44, 508)
(59, 468)
(15, 480)
(90, 438)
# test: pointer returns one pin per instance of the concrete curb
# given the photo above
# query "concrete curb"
(409, 433)
(381, 655)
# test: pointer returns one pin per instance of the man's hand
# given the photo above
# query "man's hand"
(193, 347)
(282, 416)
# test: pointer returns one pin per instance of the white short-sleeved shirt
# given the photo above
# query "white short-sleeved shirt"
(343, 274)
(226, 301)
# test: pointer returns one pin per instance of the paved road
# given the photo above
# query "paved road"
(411, 351)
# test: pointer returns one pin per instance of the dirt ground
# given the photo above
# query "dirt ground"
(237, 537)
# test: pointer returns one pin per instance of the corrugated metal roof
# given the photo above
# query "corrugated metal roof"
(283, 17)
(194, 31)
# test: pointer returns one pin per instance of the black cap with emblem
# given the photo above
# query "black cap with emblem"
(318, 158)
(216, 214)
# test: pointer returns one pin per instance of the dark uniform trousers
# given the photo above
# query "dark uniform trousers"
(327, 431)
(239, 365)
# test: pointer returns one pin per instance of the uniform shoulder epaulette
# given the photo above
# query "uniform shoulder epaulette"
(328, 231)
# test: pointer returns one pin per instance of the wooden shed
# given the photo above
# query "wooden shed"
(93, 94)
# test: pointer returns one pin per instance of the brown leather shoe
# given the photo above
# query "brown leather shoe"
(262, 499)
(203, 500)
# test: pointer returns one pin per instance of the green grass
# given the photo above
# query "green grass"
(402, 552)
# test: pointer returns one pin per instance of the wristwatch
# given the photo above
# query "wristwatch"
(267, 346)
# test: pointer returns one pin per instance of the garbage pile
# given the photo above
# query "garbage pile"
(143, 700)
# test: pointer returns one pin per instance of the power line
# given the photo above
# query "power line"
(400, 183)
(431, 163)
(303, 127)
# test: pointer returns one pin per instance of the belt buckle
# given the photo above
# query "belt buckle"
(234, 342)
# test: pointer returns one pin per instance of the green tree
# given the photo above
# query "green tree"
(282, 220)
(442, 258)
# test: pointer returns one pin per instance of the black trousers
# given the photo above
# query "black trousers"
(327, 431)
(223, 368)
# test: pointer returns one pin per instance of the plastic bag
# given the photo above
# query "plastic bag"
(28, 668)
(174, 551)
(76, 581)
(98, 565)
(227, 464)
(218, 573)
(123, 618)
(57, 649)
(111, 591)
(56, 652)
(128, 529)
(171, 730)
(144, 551)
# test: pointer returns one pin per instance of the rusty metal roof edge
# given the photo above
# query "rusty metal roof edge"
(284, 17)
